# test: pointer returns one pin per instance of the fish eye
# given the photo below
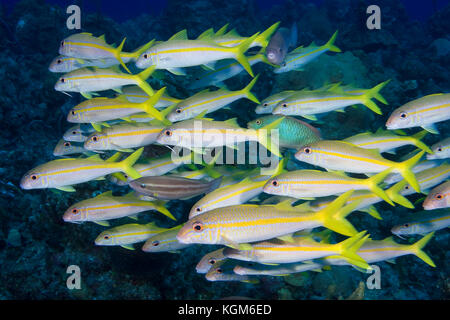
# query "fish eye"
(438, 196)
(275, 183)
(403, 115)
(198, 209)
(106, 237)
(94, 138)
(155, 243)
(284, 105)
(62, 43)
(58, 61)
(75, 211)
(406, 187)
(219, 270)
(197, 226)
(168, 133)
(265, 104)
(307, 150)
(143, 185)
(406, 225)
(284, 64)
(63, 80)
(73, 113)
(258, 121)
(33, 177)
(439, 149)
(212, 261)
(178, 110)
(145, 56)
(197, 79)
(67, 144)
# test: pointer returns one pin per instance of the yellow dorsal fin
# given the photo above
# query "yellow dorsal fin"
(105, 194)
(232, 33)
(180, 35)
(94, 157)
(206, 34)
(284, 205)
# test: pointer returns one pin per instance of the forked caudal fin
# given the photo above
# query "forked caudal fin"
(239, 53)
(404, 168)
(416, 248)
(126, 165)
(374, 93)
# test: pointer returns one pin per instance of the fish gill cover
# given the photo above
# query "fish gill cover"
(92, 119)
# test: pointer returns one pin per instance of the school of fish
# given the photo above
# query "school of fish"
(267, 220)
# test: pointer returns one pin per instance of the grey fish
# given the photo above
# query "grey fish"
(280, 43)
(173, 187)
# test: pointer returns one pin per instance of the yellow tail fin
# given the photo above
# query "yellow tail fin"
(137, 53)
(373, 182)
(239, 53)
(263, 38)
(117, 52)
(330, 44)
(248, 94)
(349, 247)
(149, 104)
(127, 164)
(394, 194)
(416, 248)
(415, 139)
(374, 93)
(141, 80)
(160, 206)
(404, 168)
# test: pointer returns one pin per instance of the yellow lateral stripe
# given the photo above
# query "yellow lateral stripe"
(381, 141)
(293, 248)
(226, 49)
(232, 194)
(428, 221)
(89, 44)
(326, 99)
(211, 100)
(101, 76)
(140, 233)
(431, 108)
(304, 55)
(381, 249)
(437, 175)
(99, 166)
(131, 133)
(120, 205)
(252, 223)
(106, 107)
(324, 182)
(383, 162)
(156, 166)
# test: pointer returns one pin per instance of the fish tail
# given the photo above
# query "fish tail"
(160, 206)
(333, 216)
(117, 52)
(416, 139)
(374, 93)
(263, 137)
(126, 165)
(137, 53)
(348, 249)
(394, 194)
(141, 80)
(246, 91)
(373, 182)
(215, 183)
(239, 53)
(330, 44)
(149, 104)
(209, 167)
(263, 38)
(416, 248)
(404, 168)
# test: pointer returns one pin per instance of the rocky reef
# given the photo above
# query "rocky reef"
(36, 246)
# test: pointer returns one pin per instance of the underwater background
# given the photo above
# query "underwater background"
(412, 48)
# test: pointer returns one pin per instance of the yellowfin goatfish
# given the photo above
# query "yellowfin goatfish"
(92, 79)
(279, 44)
(278, 270)
(98, 110)
(301, 249)
(427, 179)
(218, 273)
(86, 46)
(62, 64)
(423, 222)
(236, 226)
(439, 197)
(203, 133)
(423, 112)
(441, 150)
(296, 59)
(128, 234)
(303, 184)
(78, 133)
(223, 70)
(210, 259)
(178, 52)
(233, 194)
(172, 187)
(381, 250)
(386, 141)
(123, 137)
(137, 95)
(63, 173)
(207, 101)
(65, 148)
(269, 103)
(344, 156)
(165, 242)
(105, 207)
(309, 103)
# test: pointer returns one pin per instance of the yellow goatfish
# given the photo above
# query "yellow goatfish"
(423, 112)
(344, 156)
(423, 222)
(165, 242)
(105, 207)
(304, 184)
(92, 79)
(236, 226)
(438, 198)
(128, 234)
(98, 110)
(123, 137)
(178, 52)
(63, 173)
(441, 150)
(276, 251)
(209, 260)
